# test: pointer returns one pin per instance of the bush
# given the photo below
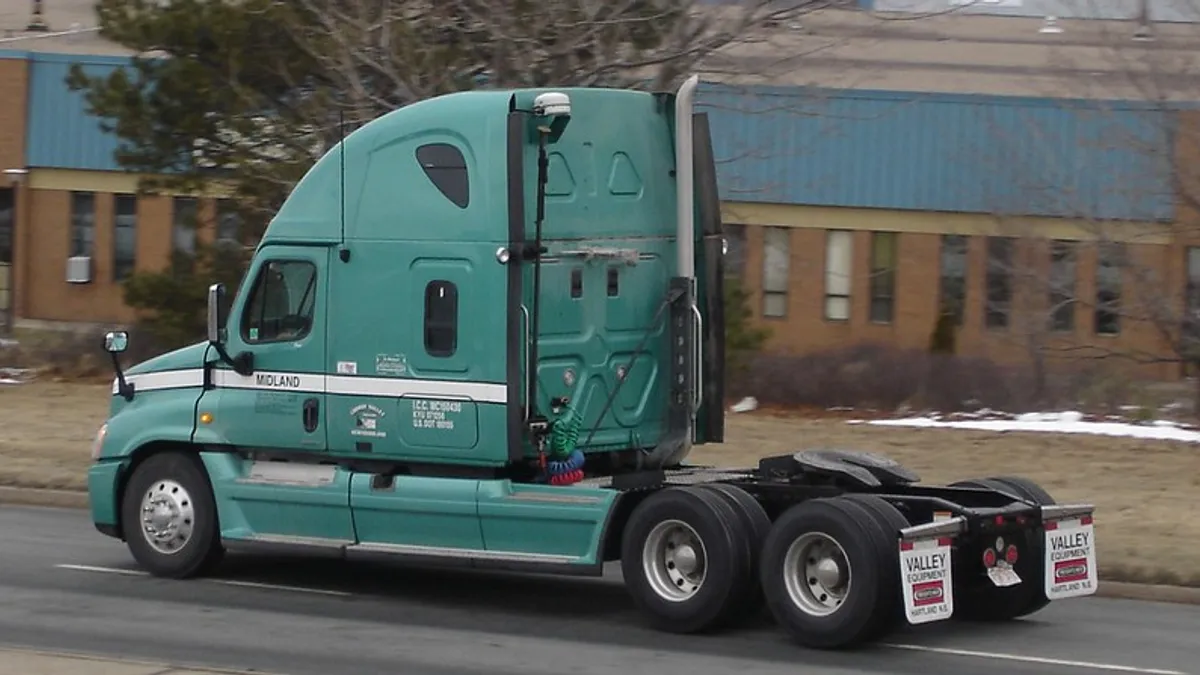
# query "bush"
(884, 377)
(743, 338)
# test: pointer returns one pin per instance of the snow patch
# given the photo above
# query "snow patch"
(1066, 422)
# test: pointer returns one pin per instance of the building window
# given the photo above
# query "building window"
(1062, 286)
(1109, 264)
(952, 284)
(776, 262)
(999, 282)
(229, 222)
(184, 223)
(282, 302)
(735, 256)
(124, 236)
(1191, 317)
(839, 264)
(883, 276)
(83, 223)
(7, 224)
(446, 168)
(441, 318)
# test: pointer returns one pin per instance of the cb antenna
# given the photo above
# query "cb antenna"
(343, 252)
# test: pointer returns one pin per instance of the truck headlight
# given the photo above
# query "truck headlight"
(99, 442)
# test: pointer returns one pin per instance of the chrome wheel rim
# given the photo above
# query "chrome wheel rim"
(168, 517)
(674, 560)
(817, 574)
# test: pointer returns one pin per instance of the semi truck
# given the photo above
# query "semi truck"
(486, 329)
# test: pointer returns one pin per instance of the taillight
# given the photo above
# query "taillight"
(989, 557)
(1011, 554)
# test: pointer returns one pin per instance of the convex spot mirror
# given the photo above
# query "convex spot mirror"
(116, 342)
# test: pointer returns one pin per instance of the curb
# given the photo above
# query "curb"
(1118, 590)
(68, 499)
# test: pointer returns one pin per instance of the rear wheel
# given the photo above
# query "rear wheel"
(891, 521)
(824, 575)
(755, 525)
(682, 559)
(170, 518)
(982, 600)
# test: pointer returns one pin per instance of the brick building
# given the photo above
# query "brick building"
(865, 185)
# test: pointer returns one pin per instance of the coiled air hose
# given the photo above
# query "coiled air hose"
(564, 434)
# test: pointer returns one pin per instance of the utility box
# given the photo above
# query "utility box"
(79, 270)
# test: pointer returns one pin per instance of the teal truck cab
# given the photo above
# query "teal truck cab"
(487, 329)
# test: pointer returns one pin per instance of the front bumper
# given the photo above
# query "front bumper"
(104, 483)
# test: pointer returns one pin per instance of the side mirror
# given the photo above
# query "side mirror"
(216, 312)
(116, 342)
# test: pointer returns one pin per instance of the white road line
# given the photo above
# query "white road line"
(280, 587)
(103, 570)
(999, 656)
(226, 582)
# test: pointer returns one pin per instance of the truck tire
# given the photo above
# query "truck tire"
(755, 525)
(823, 573)
(682, 559)
(891, 521)
(985, 602)
(170, 518)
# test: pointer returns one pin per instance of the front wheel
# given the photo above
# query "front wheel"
(170, 518)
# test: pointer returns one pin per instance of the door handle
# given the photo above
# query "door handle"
(312, 409)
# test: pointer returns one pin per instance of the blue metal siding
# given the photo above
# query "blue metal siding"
(939, 152)
(61, 134)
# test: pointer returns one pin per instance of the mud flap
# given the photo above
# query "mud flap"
(926, 570)
(1070, 551)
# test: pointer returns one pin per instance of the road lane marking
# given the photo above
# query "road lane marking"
(224, 582)
(1000, 656)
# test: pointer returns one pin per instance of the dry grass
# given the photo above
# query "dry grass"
(1146, 491)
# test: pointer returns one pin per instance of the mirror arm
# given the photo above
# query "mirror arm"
(124, 387)
(242, 364)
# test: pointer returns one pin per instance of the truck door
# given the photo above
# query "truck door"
(278, 318)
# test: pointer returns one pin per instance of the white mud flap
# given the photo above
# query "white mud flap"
(1070, 551)
(925, 570)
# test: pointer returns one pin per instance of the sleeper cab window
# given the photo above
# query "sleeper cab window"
(282, 302)
(446, 168)
(441, 318)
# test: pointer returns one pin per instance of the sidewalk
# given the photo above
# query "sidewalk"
(29, 662)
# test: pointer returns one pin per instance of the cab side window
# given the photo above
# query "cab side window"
(281, 303)
(441, 318)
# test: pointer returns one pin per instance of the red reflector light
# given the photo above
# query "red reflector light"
(906, 546)
(1086, 520)
(1010, 554)
(989, 557)
(999, 520)
(944, 541)
(1051, 524)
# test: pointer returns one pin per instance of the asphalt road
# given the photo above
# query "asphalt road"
(64, 586)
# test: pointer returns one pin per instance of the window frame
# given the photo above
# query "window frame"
(263, 268)
(436, 174)
(451, 323)
(1115, 264)
(833, 278)
(119, 264)
(1000, 252)
(785, 263)
(192, 204)
(948, 246)
(882, 280)
(83, 221)
(1061, 294)
(8, 225)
